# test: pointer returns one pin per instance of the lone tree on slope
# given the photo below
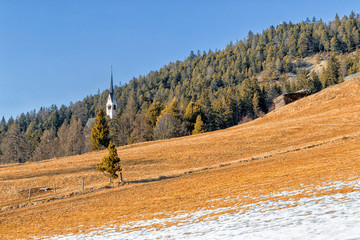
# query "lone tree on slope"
(111, 163)
(100, 132)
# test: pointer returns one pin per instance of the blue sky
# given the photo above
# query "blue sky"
(57, 52)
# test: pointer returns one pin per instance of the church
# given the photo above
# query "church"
(111, 104)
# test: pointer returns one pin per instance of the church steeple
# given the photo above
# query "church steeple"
(111, 104)
(111, 90)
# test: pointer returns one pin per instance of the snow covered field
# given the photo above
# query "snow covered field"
(334, 216)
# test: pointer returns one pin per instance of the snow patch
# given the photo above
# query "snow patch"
(334, 216)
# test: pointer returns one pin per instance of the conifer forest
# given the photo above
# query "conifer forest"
(207, 91)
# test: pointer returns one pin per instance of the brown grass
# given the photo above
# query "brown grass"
(309, 142)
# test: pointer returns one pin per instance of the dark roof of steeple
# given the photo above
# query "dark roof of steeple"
(111, 90)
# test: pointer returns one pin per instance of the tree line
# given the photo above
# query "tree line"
(204, 92)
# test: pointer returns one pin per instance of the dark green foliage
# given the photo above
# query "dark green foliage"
(314, 82)
(256, 104)
(302, 80)
(100, 132)
(52, 121)
(330, 75)
(3, 128)
(111, 163)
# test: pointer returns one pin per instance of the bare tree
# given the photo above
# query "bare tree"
(14, 146)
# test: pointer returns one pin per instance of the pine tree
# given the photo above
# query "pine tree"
(33, 134)
(199, 126)
(314, 82)
(52, 121)
(302, 80)
(191, 113)
(3, 128)
(111, 163)
(153, 113)
(219, 106)
(256, 104)
(172, 108)
(303, 44)
(335, 44)
(331, 73)
(100, 132)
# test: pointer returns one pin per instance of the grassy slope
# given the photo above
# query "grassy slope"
(312, 141)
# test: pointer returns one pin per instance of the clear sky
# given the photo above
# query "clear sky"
(57, 52)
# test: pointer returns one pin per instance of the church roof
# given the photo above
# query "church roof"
(111, 89)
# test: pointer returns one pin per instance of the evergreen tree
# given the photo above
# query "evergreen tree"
(199, 126)
(33, 134)
(52, 121)
(153, 113)
(111, 163)
(173, 108)
(256, 105)
(206, 105)
(335, 44)
(302, 80)
(331, 73)
(192, 111)
(314, 82)
(232, 114)
(219, 108)
(304, 44)
(3, 128)
(100, 132)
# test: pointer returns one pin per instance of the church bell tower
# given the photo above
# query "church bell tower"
(111, 104)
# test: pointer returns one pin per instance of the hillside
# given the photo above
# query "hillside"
(222, 86)
(300, 148)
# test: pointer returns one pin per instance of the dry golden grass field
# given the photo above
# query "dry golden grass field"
(310, 142)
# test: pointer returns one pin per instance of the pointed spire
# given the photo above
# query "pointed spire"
(111, 90)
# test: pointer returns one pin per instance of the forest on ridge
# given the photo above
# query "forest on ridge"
(206, 91)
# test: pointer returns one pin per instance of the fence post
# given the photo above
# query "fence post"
(54, 188)
(30, 195)
(83, 184)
